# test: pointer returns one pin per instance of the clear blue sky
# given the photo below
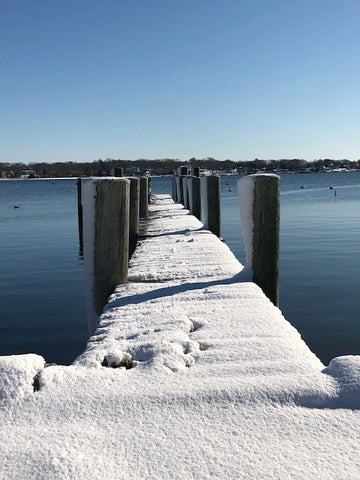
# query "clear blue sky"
(239, 79)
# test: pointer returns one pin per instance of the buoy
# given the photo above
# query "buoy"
(331, 188)
(302, 186)
(16, 206)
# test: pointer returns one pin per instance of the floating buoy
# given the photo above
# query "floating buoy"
(16, 206)
(331, 188)
(302, 186)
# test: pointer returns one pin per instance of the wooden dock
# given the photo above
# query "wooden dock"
(184, 279)
(191, 373)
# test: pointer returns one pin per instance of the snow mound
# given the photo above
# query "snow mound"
(346, 371)
(18, 376)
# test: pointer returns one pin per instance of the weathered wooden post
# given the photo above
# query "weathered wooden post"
(181, 174)
(106, 240)
(182, 171)
(194, 196)
(195, 171)
(259, 202)
(210, 194)
(149, 190)
(134, 212)
(185, 192)
(144, 197)
(174, 189)
(80, 217)
(179, 188)
(117, 172)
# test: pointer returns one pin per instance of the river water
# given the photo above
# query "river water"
(42, 293)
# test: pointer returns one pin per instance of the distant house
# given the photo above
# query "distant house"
(28, 174)
(133, 170)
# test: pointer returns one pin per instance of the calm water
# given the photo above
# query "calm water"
(42, 297)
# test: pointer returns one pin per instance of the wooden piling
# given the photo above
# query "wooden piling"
(195, 171)
(80, 217)
(111, 251)
(134, 212)
(259, 201)
(266, 216)
(174, 189)
(179, 188)
(182, 171)
(118, 172)
(194, 196)
(185, 192)
(144, 197)
(210, 193)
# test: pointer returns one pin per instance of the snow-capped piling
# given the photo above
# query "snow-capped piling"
(182, 171)
(210, 193)
(144, 197)
(134, 212)
(194, 192)
(259, 203)
(106, 240)
(111, 238)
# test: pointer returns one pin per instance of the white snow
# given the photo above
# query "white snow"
(17, 375)
(191, 373)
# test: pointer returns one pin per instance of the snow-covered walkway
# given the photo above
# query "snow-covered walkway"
(192, 373)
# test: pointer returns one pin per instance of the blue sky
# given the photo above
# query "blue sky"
(82, 80)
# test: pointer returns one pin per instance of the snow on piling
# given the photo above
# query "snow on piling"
(106, 240)
(259, 203)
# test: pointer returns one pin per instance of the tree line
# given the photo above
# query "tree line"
(168, 166)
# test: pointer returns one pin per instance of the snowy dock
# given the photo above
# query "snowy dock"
(191, 373)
